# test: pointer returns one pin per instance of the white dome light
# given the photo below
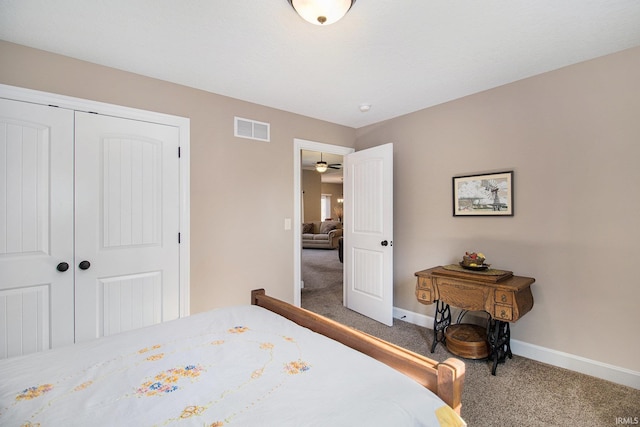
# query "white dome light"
(322, 12)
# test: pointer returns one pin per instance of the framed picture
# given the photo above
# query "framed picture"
(483, 195)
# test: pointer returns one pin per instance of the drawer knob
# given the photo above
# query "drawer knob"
(503, 298)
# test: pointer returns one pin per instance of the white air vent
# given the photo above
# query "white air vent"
(251, 129)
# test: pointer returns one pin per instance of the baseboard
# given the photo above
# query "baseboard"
(411, 317)
(576, 363)
(549, 356)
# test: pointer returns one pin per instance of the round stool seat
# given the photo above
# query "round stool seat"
(467, 341)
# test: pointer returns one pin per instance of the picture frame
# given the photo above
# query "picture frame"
(483, 195)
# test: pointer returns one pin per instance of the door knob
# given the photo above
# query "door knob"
(84, 265)
(384, 243)
(63, 266)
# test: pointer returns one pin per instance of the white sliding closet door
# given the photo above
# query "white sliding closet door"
(127, 210)
(36, 227)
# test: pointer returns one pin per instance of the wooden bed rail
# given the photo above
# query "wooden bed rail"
(444, 379)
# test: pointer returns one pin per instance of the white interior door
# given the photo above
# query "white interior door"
(36, 227)
(127, 210)
(368, 241)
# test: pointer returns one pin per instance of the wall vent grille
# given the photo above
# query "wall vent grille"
(252, 129)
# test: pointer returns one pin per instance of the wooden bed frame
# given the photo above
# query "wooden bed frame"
(444, 379)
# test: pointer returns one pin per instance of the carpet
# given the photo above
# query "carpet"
(321, 268)
(523, 393)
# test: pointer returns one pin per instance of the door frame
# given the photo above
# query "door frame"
(182, 123)
(298, 146)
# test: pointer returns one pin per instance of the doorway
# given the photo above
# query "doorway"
(321, 261)
(298, 146)
(367, 225)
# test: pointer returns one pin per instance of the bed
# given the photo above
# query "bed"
(267, 363)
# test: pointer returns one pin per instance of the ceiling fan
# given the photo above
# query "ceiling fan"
(322, 166)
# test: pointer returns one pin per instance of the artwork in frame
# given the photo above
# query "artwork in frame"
(483, 195)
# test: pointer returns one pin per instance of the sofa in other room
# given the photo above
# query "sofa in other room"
(321, 234)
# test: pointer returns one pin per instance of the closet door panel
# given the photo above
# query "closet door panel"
(36, 227)
(131, 192)
(127, 208)
(132, 301)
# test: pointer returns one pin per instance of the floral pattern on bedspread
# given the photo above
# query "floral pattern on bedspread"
(238, 330)
(214, 370)
(205, 382)
(296, 367)
(33, 392)
(166, 382)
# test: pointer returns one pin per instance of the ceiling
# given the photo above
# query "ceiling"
(399, 57)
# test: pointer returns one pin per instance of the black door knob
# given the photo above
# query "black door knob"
(84, 265)
(63, 266)
(384, 243)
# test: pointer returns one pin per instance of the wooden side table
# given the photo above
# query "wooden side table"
(501, 294)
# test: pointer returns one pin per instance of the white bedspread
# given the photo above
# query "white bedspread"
(238, 366)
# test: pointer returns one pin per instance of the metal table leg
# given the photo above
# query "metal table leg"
(441, 320)
(499, 338)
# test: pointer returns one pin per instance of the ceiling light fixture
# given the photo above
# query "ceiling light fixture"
(321, 12)
(321, 166)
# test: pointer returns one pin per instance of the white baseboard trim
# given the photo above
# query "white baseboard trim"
(411, 317)
(552, 357)
(576, 363)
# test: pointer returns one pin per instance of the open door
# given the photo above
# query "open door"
(368, 232)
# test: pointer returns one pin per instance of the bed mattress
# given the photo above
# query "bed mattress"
(231, 366)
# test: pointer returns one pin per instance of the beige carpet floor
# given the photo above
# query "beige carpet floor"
(321, 268)
(523, 393)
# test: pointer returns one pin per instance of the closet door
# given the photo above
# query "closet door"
(127, 225)
(36, 228)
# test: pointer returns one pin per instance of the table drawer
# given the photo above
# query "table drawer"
(504, 297)
(424, 283)
(502, 312)
(423, 295)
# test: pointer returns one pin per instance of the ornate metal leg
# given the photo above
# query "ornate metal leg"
(441, 320)
(499, 338)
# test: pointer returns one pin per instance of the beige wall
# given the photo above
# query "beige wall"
(311, 196)
(238, 206)
(572, 137)
(313, 189)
